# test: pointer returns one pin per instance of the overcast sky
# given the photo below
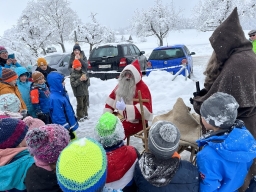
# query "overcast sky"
(112, 13)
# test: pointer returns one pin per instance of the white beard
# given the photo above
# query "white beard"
(126, 90)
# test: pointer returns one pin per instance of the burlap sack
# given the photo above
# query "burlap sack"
(187, 123)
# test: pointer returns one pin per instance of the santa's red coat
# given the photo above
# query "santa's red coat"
(132, 114)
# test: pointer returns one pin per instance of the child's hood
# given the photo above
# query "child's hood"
(8, 154)
(21, 70)
(55, 80)
(237, 146)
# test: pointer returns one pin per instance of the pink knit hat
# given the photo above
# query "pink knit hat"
(46, 142)
(33, 122)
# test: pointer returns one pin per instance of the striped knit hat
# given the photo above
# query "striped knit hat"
(46, 142)
(8, 75)
(109, 130)
(2, 49)
(82, 166)
(12, 132)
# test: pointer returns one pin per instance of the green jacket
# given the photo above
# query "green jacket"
(254, 46)
(80, 88)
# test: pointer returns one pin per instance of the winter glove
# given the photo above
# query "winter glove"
(42, 116)
(191, 100)
(72, 135)
(120, 105)
(201, 93)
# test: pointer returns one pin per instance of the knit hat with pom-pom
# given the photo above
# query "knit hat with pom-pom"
(12, 132)
(82, 166)
(109, 130)
(33, 122)
(77, 46)
(163, 139)
(46, 142)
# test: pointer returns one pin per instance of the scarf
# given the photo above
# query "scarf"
(159, 172)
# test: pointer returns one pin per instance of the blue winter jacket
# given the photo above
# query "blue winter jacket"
(13, 174)
(225, 160)
(61, 110)
(12, 66)
(24, 88)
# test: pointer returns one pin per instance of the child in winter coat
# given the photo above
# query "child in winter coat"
(61, 110)
(79, 82)
(121, 158)
(15, 159)
(8, 85)
(229, 149)
(162, 169)
(40, 97)
(45, 144)
(82, 166)
(24, 88)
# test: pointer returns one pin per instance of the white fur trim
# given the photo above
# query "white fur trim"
(134, 71)
(111, 102)
(130, 112)
(147, 114)
(121, 183)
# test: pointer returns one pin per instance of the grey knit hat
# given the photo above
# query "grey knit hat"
(163, 139)
(220, 110)
(251, 32)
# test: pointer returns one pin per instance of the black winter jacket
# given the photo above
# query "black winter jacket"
(39, 179)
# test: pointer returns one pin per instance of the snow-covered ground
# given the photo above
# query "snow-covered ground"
(164, 91)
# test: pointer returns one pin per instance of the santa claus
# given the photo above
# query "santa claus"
(122, 99)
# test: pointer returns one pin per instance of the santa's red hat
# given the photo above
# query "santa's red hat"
(134, 67)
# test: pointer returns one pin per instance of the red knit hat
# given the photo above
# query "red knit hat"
(8, 75)
(76, 63)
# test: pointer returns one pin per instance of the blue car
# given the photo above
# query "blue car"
(171, 58)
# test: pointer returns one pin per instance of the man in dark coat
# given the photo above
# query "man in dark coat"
(232, 70)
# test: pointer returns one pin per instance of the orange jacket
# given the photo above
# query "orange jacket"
(7, 88)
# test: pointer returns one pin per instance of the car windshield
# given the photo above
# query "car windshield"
(110, 51)
(53, 59)
(166, 54)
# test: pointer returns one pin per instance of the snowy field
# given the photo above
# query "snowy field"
(164, 92)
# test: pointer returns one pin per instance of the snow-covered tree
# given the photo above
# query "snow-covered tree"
(13, 44)
(59, 18)
(32, 30)
(211, 13)
(93, 33)
(156, 21)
